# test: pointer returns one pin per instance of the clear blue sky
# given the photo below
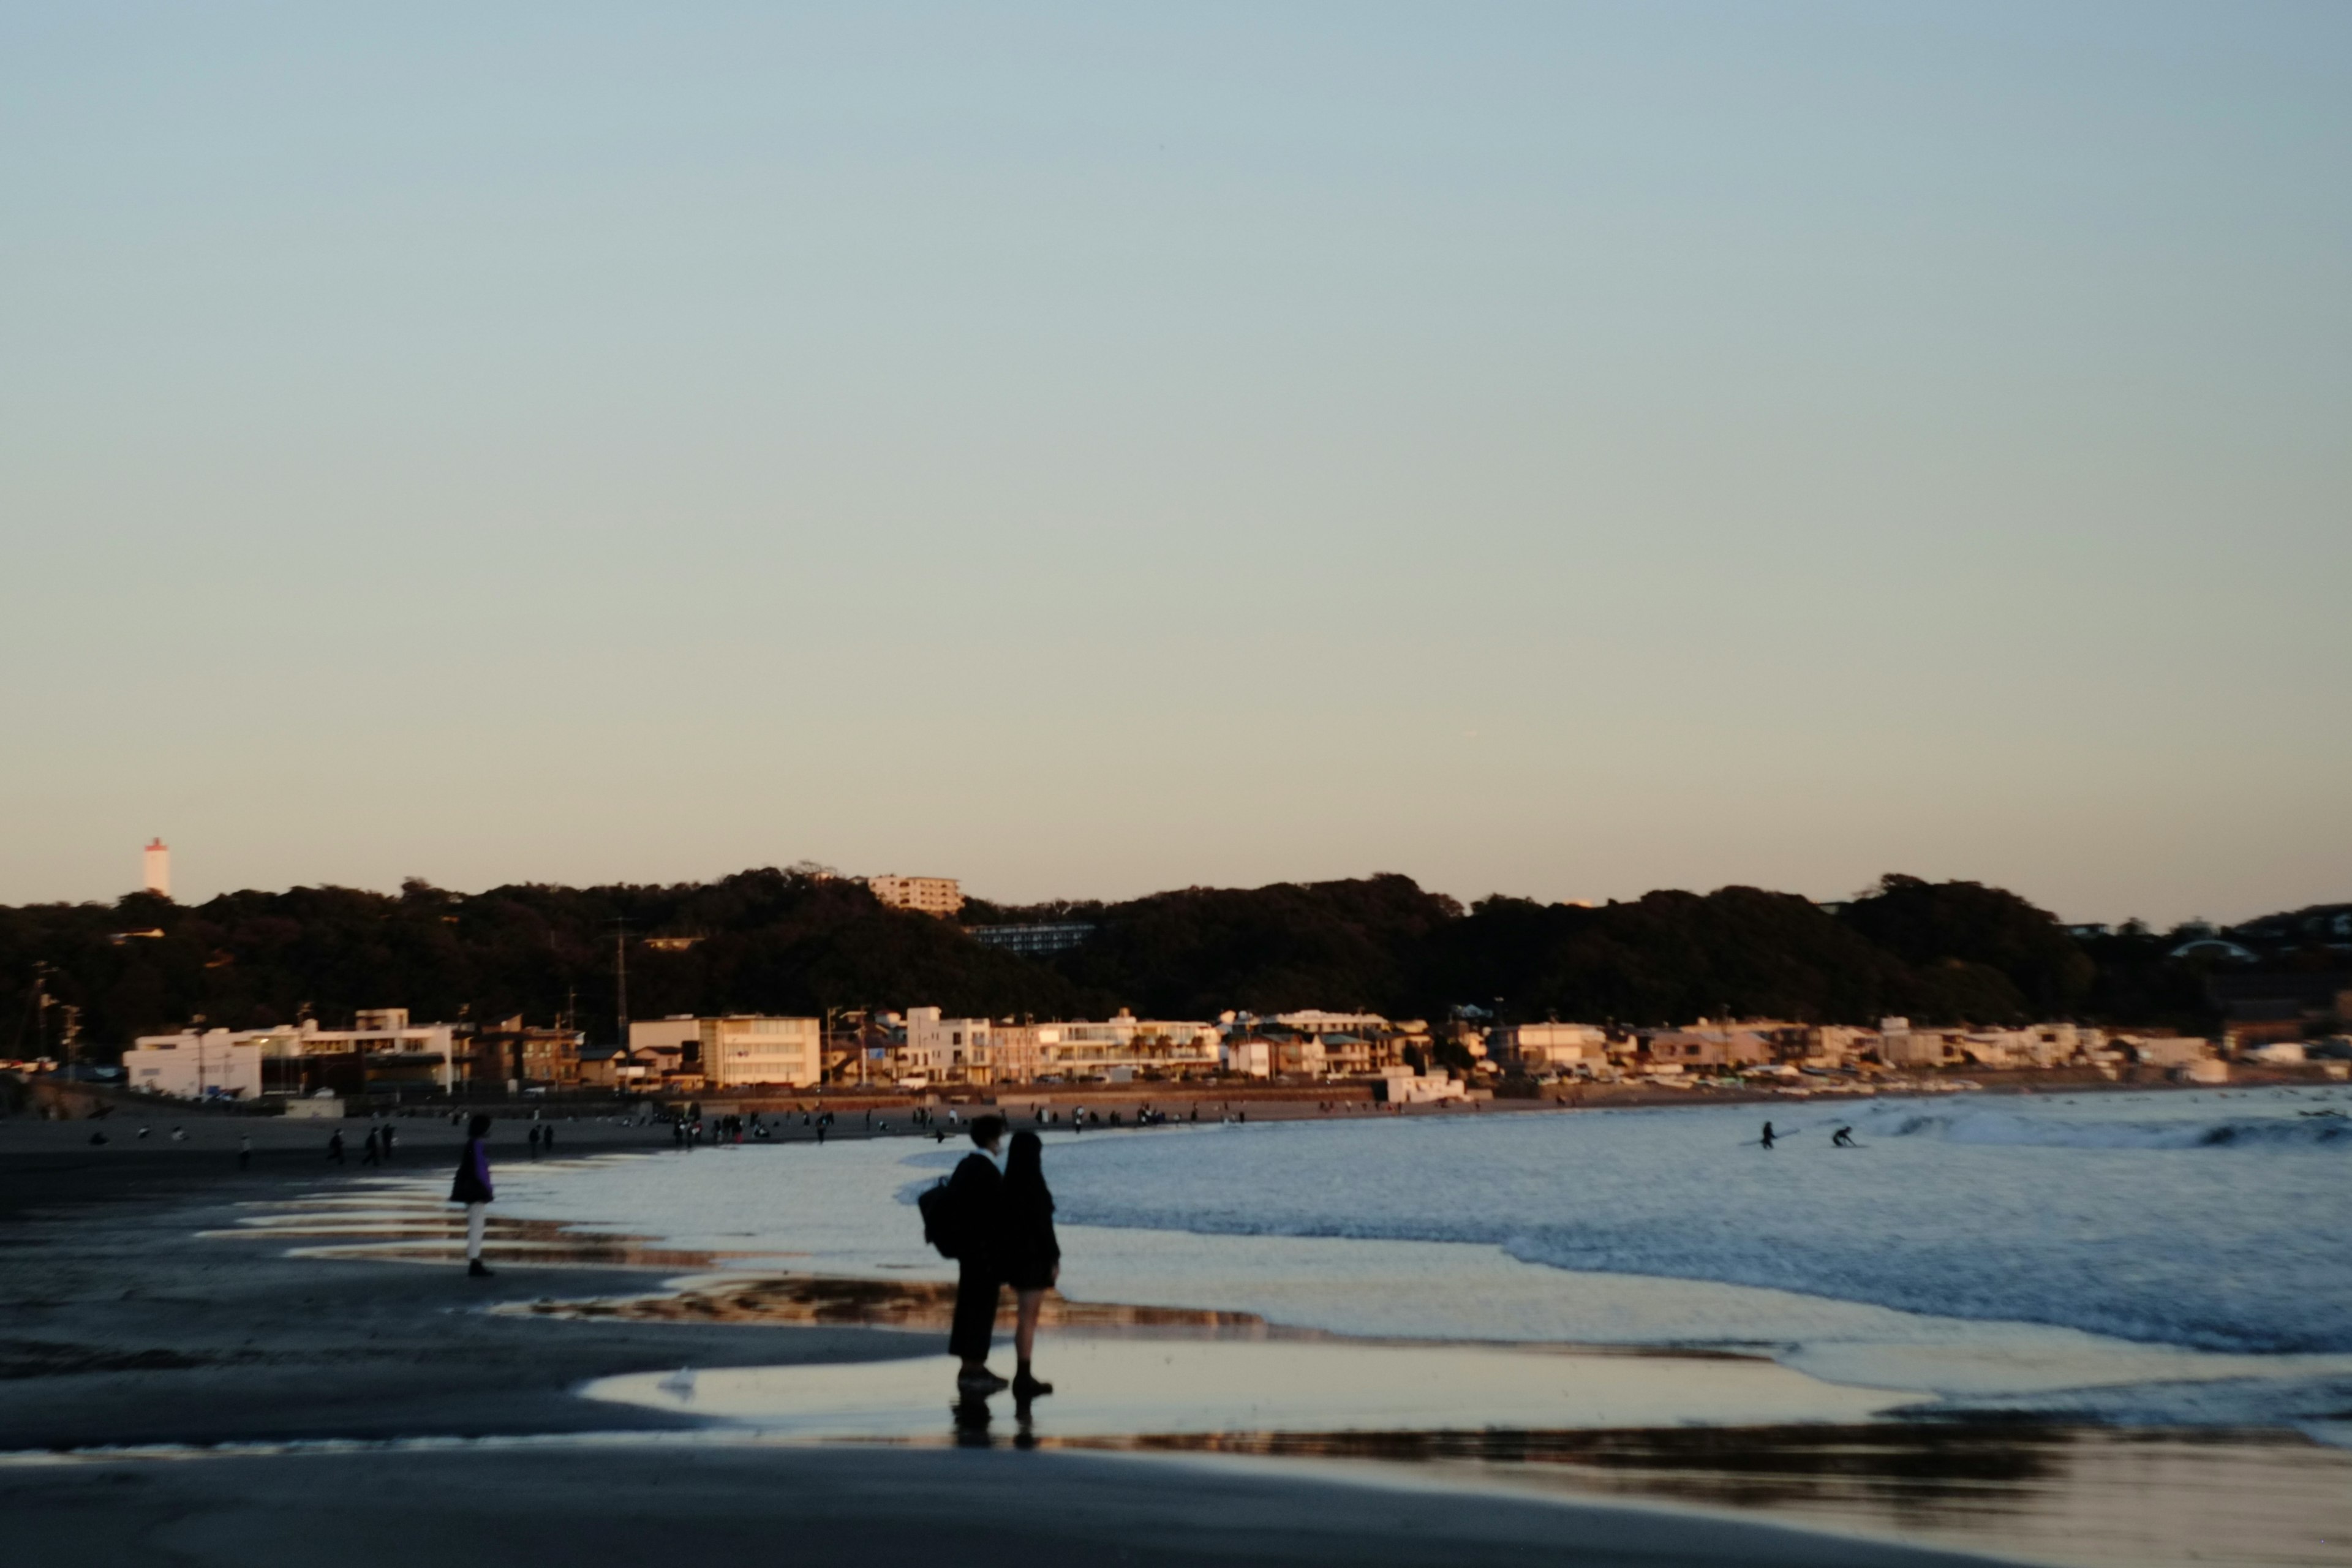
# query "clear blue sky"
(1564, 449)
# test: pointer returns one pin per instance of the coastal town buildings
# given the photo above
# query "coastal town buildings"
(383, 1053)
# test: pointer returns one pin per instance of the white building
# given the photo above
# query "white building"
(158, 869)
(740, 1049)
(948, 1050)
(941, 896)
(215, 1065)
(381, 1050)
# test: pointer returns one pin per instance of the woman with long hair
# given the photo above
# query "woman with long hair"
(1029, 1256)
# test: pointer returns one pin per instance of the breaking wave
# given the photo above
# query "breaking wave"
(2003, 1128)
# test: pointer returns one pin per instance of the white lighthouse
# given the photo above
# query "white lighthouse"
(158, 869)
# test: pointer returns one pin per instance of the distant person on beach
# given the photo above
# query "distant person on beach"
(335, 1146)
(1027, 1251)
(547, 1141)
(388, 1135)
(532, 1139)
(472, 1188)
(245, 1153)
(974, 1192)
(371, 1152)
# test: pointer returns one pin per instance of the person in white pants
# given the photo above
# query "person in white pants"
(472, 1188)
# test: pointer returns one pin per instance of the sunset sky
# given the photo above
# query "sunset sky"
(1561, 449)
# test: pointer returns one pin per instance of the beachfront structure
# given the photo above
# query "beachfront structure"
(730, 1052)
(947, 1050)
(1549, 1048)
(1402, 1086)
(2166, 1050)
(214, 1064)
(383, 1052)
(940, 896)
(1900, 1045)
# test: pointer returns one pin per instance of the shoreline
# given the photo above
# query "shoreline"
(124, 1325)
(378, 1384)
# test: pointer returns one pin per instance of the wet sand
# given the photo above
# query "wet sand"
(586, 1507)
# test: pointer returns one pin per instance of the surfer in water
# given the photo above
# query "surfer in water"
(1844, 1138)
(1767, 1139)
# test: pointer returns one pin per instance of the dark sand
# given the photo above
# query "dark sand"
(120, 1325)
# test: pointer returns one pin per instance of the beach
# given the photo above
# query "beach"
(268, 1337)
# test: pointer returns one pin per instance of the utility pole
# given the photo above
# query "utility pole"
(621, 982)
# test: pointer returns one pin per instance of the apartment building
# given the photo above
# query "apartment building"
(940, 896)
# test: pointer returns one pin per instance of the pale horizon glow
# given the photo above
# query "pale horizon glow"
(1556, 449)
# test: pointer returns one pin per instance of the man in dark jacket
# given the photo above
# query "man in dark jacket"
(973, 1192)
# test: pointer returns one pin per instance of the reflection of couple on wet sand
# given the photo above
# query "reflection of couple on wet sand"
(1002, 1226)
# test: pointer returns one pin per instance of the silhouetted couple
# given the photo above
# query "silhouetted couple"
(1006, 1224)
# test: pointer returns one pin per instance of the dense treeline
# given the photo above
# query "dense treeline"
(799, 941)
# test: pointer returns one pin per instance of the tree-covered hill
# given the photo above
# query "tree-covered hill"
(799, 941)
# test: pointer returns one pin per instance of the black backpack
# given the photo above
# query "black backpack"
(942, 1216)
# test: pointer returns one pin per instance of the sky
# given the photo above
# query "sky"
(1562, 449)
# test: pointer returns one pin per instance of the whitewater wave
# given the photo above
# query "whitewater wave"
(1999, 1128)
